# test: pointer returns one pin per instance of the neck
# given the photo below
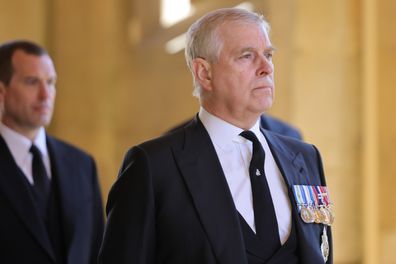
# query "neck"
(30, 133)
(242, 121)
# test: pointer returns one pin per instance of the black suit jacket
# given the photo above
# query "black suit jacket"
(23, 237)
(171, 202)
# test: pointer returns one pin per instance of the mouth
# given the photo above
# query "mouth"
(43, 109)
(263, 88)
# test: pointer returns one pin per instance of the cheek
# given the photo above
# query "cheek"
(12, 99)
(53, 95)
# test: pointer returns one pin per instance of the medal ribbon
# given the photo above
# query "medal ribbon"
(315, 194)
(298, 196)
(308, 195)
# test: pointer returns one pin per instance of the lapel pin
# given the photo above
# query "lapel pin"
(258, 172)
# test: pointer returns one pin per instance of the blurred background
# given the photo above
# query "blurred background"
(123, 79)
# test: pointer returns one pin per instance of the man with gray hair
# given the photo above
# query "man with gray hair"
(222, 189)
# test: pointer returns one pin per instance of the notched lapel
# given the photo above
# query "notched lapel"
(212, 199)
(290, 164)
(301, 168)
(68, 189)
(283, 157)
(294, 170)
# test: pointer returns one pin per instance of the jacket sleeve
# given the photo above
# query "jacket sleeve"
(129, 235)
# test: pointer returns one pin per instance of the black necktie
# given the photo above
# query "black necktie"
(41, 185)
(264, 212)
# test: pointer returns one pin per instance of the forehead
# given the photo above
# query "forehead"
(241, 34)
(25, 63)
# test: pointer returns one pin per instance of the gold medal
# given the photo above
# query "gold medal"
(325, 215)
(331, 215)
(314, 204)
(318, 215)
(306, 215)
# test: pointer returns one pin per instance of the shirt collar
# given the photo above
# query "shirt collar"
(19, 145)
(256, 130)
(221, 132)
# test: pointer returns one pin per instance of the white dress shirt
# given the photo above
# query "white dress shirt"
(235, 153)
(19, 146)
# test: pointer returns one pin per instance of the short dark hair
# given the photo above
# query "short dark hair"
(8, 49)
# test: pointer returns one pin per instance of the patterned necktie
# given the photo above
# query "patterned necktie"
(264, 212)
(41, 185)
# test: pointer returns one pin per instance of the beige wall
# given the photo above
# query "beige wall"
(86, 45)
(334, 73)
(386, 95)
(24, 19)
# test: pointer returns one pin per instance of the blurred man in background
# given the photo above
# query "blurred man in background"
(50, 203)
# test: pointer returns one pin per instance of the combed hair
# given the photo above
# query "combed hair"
(202, 40)
(8, 49)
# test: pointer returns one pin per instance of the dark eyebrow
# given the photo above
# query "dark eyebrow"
(29, 77)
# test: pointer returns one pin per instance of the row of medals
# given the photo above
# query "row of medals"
(322, 214)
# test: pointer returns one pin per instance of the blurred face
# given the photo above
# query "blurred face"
(239, 87)
(28, 100)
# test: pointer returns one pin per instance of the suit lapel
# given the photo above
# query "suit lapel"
(16, 190)
(65, 181)
(291, 166)
(202, 172)
(294, 171)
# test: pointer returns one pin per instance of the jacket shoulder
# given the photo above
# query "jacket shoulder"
(280, 127)
(62, 146)
(291, 142)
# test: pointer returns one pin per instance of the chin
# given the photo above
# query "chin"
(43, 122)
(266, 104)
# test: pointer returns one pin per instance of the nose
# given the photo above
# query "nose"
(44, 90)
(266, 66)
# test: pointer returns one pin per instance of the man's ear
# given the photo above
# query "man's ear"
(2, 91)
(2, 95)
(202, 73)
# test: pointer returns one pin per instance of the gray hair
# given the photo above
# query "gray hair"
(202, 40)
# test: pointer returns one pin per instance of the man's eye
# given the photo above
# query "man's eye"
(246, 56)
(51, 82)
(268, 55)
(31, 81)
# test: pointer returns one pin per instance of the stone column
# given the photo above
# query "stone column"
(87, 39)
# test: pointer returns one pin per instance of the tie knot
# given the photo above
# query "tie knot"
(35, 151)
(258, 151)
(249, 135)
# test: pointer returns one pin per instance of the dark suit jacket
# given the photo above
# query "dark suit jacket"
(23, 237)
(171, 202)
(267, 122)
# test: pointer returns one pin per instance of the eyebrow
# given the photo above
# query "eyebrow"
(53, 78)
(270, 48)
